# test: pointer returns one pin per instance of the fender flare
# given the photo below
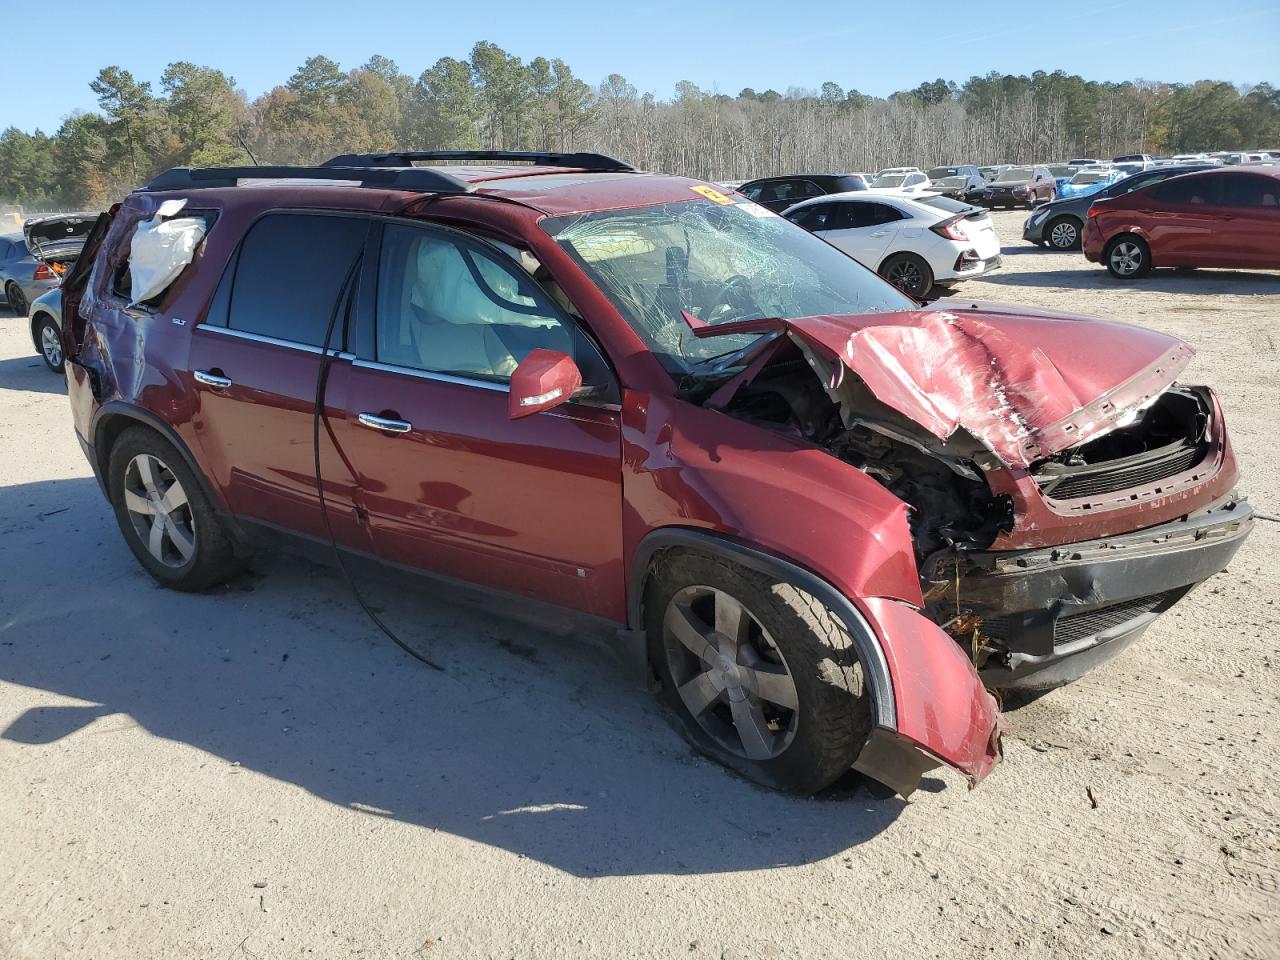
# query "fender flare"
(871, 657)
(119, 409)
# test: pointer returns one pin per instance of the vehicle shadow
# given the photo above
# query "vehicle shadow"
(532, 742)
(29, 374)
(1092, 277)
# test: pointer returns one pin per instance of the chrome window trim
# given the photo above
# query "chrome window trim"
(273, 341)
(432, 375)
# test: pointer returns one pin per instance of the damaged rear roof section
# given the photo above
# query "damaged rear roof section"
(1023, 387)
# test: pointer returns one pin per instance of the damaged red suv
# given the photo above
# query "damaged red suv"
(829, 514)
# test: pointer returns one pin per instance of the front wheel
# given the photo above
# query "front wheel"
(1063, 233)
(761, 677)
(164, 515)
(1128, 257)
(909, 273)
(50, 340)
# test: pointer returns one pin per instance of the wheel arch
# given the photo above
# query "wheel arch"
(871, 655)
(38, 317)
(116, 416)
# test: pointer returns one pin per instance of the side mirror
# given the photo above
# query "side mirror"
(544, 379)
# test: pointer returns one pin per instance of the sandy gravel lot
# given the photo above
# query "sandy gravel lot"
(256, 773)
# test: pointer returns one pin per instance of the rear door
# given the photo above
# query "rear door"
(450, 483)
(866, 230)
(254, 364)
(1251, 204)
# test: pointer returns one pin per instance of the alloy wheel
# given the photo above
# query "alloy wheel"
(905, 275)
(1126, 258)
(1063, 235)
(730, 674)
(51, 346)
(158, 509)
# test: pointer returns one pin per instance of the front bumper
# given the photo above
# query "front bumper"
(1033, 227)
(1046, 616)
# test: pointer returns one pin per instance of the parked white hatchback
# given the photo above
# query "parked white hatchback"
(913, 242)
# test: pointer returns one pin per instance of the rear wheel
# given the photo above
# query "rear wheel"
(1128, 257)
(50, 340)
(909, 273)
(164, 515)
(761, 677)
(1063, 233)
(17, 299)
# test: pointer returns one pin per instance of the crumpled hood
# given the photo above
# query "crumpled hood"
(1025, 385)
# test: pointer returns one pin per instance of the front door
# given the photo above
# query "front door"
(450, 483)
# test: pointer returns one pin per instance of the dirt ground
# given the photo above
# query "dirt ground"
(256, 773)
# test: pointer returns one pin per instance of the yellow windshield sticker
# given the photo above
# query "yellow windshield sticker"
(712, 194)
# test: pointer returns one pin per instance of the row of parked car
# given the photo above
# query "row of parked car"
(926, 230)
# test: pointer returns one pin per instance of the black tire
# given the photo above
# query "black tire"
(48, 340)
(817, 741)
(17, 299)
(1127, 257)
(1063, 233)
(211, 558)
(909, 273)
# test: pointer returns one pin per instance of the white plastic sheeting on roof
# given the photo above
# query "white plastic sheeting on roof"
(161, 249)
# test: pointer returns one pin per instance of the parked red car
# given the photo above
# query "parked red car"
(664, 410)
(1218, 218)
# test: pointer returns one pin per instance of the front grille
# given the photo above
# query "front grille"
(1091, 483)
(1080, 625)
(1077, 626)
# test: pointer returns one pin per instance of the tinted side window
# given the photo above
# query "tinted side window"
(1252, 192)
(754, 191)
(290, 271)
(452, 307)
(820, 216)
(1190, 190)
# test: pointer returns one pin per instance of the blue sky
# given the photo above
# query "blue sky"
(718, 45)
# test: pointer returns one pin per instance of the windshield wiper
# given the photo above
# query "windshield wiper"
(734, 358)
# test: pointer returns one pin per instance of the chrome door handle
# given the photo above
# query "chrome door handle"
(211, 379)
(375, 422)
(881, 233)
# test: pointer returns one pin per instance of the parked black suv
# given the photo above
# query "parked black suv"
(778, 193)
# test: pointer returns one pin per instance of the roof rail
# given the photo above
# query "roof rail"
(392, 178)
(581, 161)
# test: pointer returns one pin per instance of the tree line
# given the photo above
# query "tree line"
(196, 116)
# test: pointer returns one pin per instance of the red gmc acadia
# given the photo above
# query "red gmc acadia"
(831, 515)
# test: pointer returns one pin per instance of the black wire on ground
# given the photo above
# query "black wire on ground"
(322, 381)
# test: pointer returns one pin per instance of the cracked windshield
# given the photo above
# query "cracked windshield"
(719, 262)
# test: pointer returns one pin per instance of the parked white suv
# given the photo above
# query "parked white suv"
(900, 180)
(914, 243)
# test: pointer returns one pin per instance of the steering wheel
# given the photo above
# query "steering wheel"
(733, 297)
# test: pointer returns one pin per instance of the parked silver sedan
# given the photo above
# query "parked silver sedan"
(35, 260)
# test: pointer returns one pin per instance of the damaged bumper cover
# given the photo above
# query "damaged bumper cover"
(1046, 616)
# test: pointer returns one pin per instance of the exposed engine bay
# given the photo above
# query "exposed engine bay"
(951, 501)
(944, 481)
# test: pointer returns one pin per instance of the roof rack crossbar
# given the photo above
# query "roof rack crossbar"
(406, 158)
(394, 178)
